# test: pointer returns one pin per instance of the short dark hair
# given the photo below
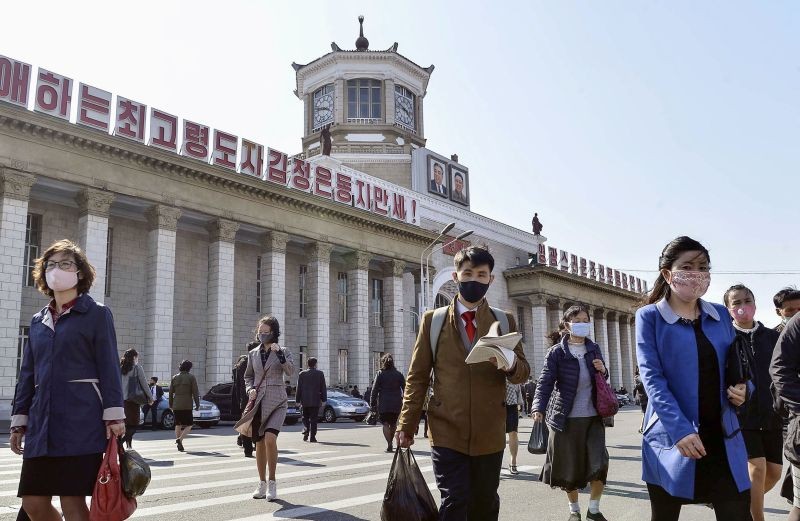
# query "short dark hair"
(387, 362)
(154, 378)
(459, 175)
(186, 365)
(68, 247)
(572, 312)
(787, 293)
(438, 165)
(477, 255)
(274, 327)
(736, 287)
(312, 361)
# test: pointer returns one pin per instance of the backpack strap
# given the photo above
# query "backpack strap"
(437, 323)
(501, 317)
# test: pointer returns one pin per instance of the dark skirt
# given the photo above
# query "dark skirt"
(132, 413)
(576, 456)
(184, 418)
(59, 475)
(512, 418)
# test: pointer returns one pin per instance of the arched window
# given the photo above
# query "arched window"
(363, 100)
(323, 101)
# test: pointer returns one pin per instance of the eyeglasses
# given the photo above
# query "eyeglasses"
(66, 265)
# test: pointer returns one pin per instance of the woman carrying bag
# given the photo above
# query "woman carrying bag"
(135, 390)
(566, 392)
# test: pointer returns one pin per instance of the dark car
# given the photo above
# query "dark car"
(220, 395)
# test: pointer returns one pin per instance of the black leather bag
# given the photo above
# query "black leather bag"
(372, 418)
(739, 364)
(537, 444)
(134, 471)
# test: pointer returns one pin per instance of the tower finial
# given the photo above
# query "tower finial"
(362, 44)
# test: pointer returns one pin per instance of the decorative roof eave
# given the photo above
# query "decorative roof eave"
(141, 156)
(525, 272)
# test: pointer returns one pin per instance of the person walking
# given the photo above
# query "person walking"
(156, 395)
(267, 363)
(567, 393)
(692, 449)
(135, 391)
(387, 397)
(514, 402)
(355, 393)
(785, 372)
(762, 427)
(239, 399)
(529, 389)
(466, 421)
(640, 395)
(368, 393)
(182, 393)
(311, 393)
(787, 304)
(68, 399)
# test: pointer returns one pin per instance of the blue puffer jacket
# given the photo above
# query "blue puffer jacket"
(558, 382)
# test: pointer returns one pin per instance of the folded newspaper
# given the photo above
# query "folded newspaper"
(495, 345)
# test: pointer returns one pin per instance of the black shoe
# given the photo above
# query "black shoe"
(595, 517)
(313, 440)
(248, 454)
(305, 436)
(389, 449)
(239, 441)
(180, 445)
(575, 516)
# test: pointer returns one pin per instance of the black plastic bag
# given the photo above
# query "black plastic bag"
(134, 471)
(791, 442)
(407, 496)
(539, 434)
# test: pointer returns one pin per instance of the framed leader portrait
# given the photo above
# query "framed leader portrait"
(437, 178)
(459, 185)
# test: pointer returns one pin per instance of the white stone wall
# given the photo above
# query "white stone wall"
(219, 343)
(246, 315)
(93, 239)
(191, 304)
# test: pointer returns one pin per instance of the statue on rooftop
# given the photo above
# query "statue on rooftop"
(325, 140)
(537, 224)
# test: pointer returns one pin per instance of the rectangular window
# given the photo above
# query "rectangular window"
(258, 284)
(33, 246)
(303, 357)
(342, 371)
(377, 302)
(341, 296)
(521, 321)
(376, 364)
(364, 99)
(109, 248)
(303, 278)
(22, 343)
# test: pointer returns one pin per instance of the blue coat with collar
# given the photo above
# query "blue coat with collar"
(668, 364)
(69, 382)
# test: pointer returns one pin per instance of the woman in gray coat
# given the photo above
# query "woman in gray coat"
(267, 364)
(135, 391)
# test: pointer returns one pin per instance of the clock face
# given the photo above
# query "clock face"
(404, 110)
(323, 110)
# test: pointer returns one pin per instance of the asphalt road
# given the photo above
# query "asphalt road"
(343, 477)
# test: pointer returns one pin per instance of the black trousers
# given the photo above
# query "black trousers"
(468, 484)
(310, 417)
(151, 409)
(668, 508)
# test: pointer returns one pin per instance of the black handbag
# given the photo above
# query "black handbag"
(135, 392)
(372, 418)
(537, 444)
(739, 364)
(134, 471)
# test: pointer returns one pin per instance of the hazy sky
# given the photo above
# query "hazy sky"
(624, 124)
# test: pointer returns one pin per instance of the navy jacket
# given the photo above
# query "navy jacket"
(558, 382)
(311, 389)
(387, 391)
(69, 382)
(757, 413)
(785, 368)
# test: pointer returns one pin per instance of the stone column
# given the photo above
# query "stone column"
(614, 350)
(389, 96)
(358, 318)
(634, 359)
(219, 336)
(393, 325)
(163, 225)
(339, 101)
(93, 234)
(15, 189)
(319, 305)
(539, 330)
(554, 313)
(273, 276)
(601, 332)
(627, 357)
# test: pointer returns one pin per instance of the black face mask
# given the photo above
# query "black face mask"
(472, 290)
(266, 338)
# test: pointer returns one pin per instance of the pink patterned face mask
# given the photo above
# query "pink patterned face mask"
(690, 285)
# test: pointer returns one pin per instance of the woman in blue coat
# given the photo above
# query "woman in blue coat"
(68, 399)
(692, 450)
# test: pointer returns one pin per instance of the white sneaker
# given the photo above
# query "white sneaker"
(261, 490)
(272, 493)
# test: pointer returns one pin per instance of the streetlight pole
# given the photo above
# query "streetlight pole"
(422, 273)
(443, 246)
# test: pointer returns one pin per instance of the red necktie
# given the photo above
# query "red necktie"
(469, 318)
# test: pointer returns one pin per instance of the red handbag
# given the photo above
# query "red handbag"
(109, 503)
(606, 404)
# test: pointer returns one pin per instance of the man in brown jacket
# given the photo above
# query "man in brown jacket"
(467, 412)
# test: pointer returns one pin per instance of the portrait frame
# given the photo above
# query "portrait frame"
(433, 161)
(457, 171)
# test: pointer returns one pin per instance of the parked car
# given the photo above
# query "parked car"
(207, 416)
(220, 395)
(623, 399)
(342, 405)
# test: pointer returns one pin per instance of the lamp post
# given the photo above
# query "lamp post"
(443, 246)
(422, 273)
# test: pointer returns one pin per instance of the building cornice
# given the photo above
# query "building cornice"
(523, 272)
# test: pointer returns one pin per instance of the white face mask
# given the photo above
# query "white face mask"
(60, 280)
(580, 329)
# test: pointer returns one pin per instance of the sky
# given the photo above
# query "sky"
(622, 123)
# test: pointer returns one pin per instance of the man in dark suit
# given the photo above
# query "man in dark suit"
(157, 394)
(437, 183)
(311, 392)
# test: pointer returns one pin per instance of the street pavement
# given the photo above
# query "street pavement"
(343, 477)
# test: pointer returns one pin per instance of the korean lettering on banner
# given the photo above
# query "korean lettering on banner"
(609, 276)
(300, 175)
(399, 207)
(552, 254)
(224, 153)
(584, 271)
(344, 188)
(15, 80)
(323, 182)
(542, 255)
(638, 284)
(163, 130)
(363, 198)
(130, 119)
(252, 162)
(94, 107)
(277, 167)
(573, 264)
(563, 260)
(195, 140)
(53, 94)
(624, 281)
(380, 201)
(617, 281)
(592, 270)
(601, 271)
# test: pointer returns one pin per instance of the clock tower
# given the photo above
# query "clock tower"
(371, 102)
